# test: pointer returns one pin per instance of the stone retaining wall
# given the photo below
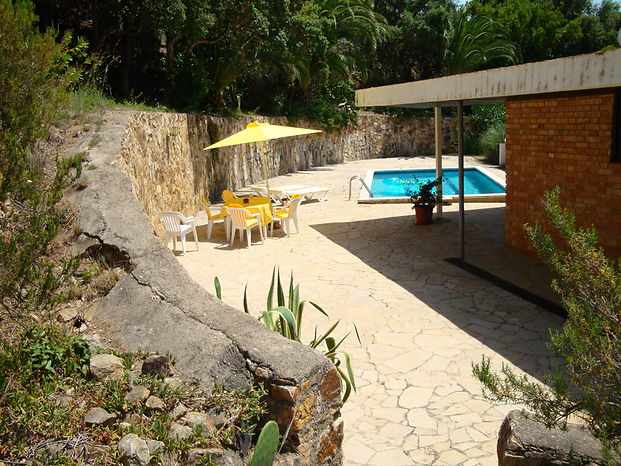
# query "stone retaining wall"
(157, 307)
(163, 153)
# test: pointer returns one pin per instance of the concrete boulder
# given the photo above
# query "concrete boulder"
(522, 441)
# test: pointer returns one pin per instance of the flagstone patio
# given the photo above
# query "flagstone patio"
(421, 320)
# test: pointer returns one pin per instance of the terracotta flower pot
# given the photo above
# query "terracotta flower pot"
(424, 214)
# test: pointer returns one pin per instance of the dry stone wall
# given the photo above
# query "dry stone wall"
(157, 307)
(164, 157)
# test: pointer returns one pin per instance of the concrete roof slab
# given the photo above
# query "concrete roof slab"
(581, 73)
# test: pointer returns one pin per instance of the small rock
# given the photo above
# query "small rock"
(153, 403)
(62, 399)
(133, 419)
(178, 431)
(219, 418)
(195, 455)
(124, 425)
(263, 373)
(94, 452)
(157, 365)
(201, 420)
(173, 382)
(134, 451)
(107, 365)
(65, 315)
(216, 456)
(137, 394)
(287, 459)
(94, 342)
(178, 411)
(99, 416)
(137, 367)
(155, 446)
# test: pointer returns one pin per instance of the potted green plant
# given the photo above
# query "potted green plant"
(424, 198)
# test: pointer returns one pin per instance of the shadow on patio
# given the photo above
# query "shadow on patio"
(414, 258)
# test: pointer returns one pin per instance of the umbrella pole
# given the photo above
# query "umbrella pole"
(264, 162)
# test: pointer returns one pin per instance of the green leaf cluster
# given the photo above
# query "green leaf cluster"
(285, 316)
(35, 71)
(590, 341)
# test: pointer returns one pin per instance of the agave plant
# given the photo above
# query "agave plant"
(286, 318)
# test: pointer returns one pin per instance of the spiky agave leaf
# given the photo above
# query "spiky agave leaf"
(216, 284)
(246, 309)
(270, 294)
(315, 343)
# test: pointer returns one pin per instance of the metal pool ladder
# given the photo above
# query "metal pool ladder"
(358, 177)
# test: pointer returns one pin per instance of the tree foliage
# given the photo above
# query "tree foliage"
(590, 342)
(34, 72)
(474, 42)
(545, 29)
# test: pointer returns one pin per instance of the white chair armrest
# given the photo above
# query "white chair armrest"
(189, 219)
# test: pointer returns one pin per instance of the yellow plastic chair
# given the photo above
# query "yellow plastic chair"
(284, 216)
(211, 218)
(228, 196)
(243, 220)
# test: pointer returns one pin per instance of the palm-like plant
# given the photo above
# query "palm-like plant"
(286, 318)
(351, 27)
(355, 20)
(474, 41)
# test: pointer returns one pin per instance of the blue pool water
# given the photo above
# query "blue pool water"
(395, 183)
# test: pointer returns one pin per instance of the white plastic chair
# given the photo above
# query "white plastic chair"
(211, 218)
(177, 224)
(243, 220)
(284, 216)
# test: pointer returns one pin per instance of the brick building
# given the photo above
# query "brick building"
(563, 127)
(572, 142)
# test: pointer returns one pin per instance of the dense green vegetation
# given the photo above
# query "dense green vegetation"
(590, 341)
(35, 71)
(305, 57)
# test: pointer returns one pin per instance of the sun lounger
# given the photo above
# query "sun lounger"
(279, 192)
(310, 192)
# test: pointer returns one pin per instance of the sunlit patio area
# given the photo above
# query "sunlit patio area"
(421, 320)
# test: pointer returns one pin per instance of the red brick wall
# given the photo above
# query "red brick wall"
(565, 142)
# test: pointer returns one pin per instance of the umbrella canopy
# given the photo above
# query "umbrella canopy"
(257, 132)
(260, 132)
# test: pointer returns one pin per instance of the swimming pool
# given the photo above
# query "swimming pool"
(392, 185)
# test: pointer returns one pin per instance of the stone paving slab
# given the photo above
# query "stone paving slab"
(422, 321)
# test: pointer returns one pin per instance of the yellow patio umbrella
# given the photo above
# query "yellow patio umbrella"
(260, 132)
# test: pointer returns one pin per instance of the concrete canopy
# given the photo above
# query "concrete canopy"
(581, 73)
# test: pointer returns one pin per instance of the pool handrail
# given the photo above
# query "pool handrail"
(358, 177)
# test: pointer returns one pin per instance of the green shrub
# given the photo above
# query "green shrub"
(486, 131)
(488, 143)
(35, 71)
(590, 341)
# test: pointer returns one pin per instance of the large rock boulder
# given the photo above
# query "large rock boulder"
(522, 441)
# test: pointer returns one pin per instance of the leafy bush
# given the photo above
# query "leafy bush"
(35, 70)
(30, 373)
(590, 342)
(486, 131)
(488, 143)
